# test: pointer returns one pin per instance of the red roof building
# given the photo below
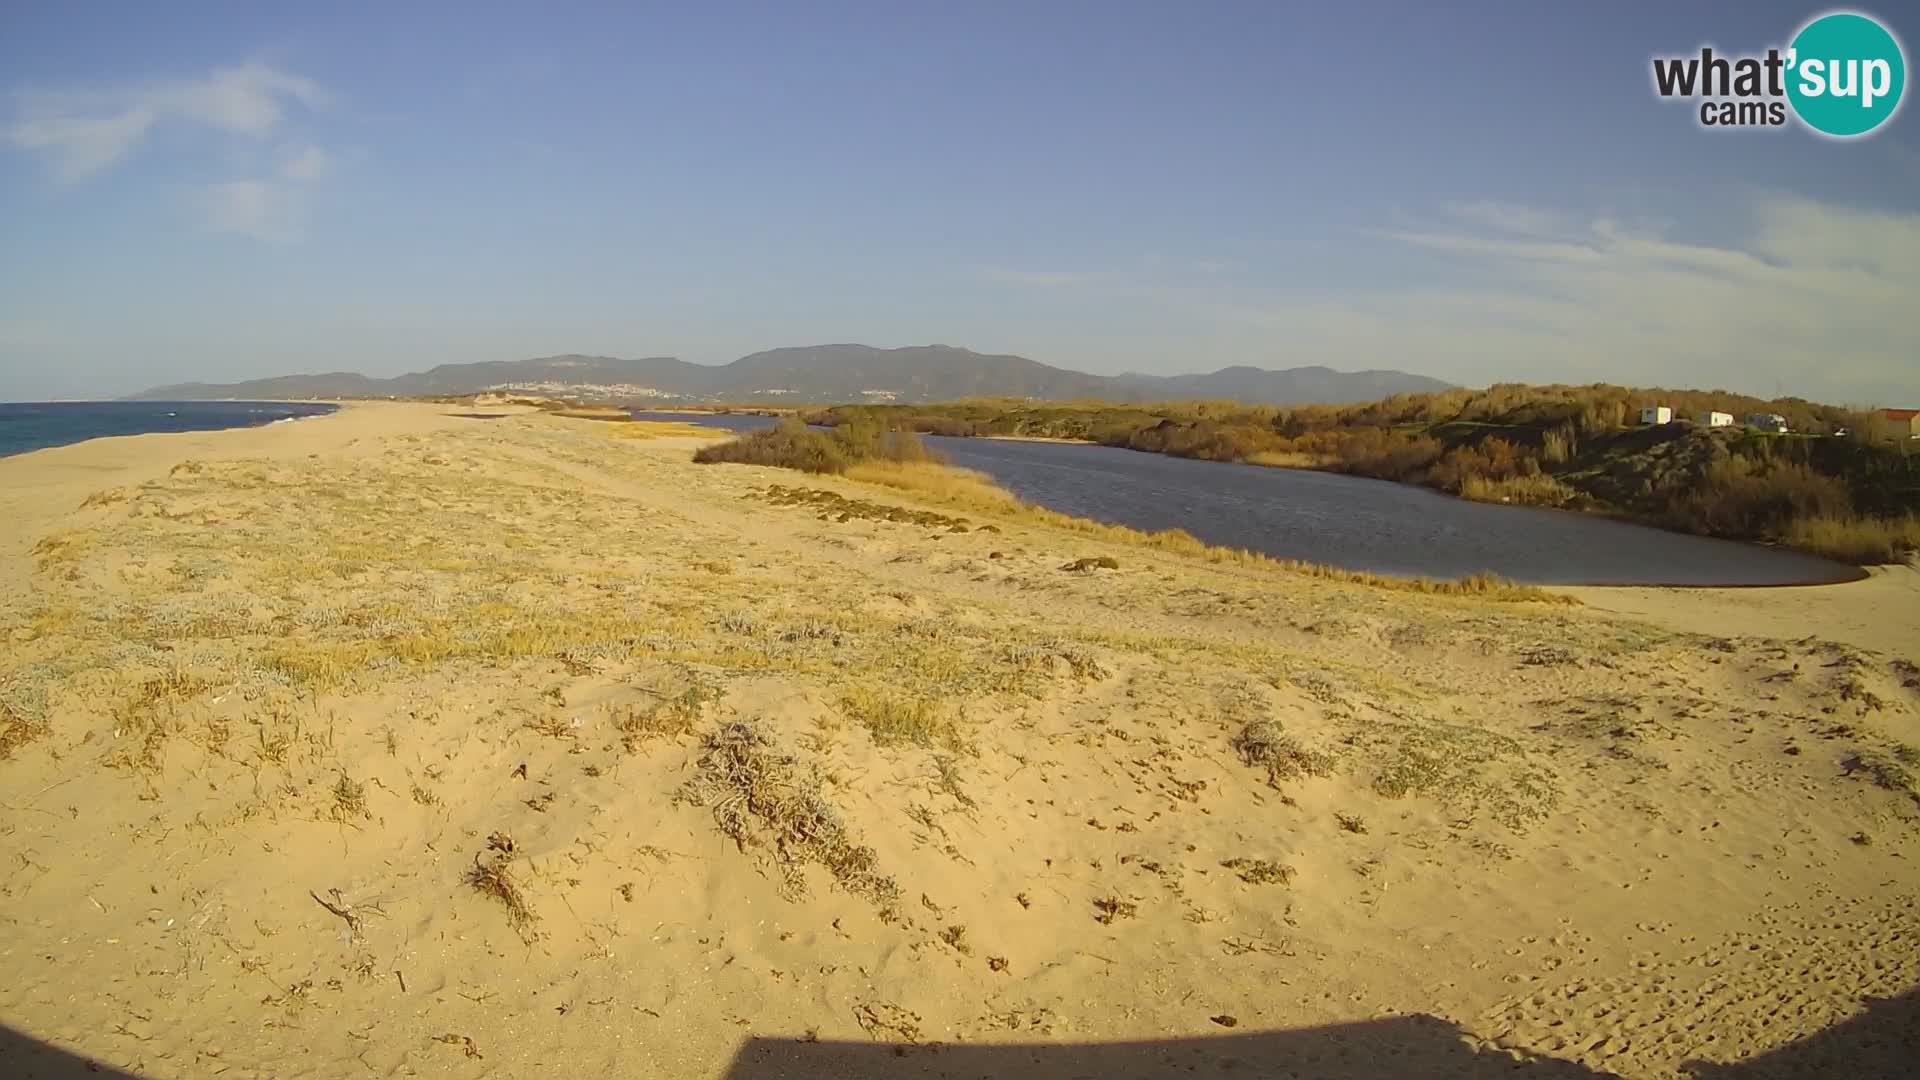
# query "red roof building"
(1904, 419)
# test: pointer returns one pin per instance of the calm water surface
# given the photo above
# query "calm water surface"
(1355, 523)
(28, 426)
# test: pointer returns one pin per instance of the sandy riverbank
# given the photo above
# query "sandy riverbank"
(398, 743)
(1880, 612)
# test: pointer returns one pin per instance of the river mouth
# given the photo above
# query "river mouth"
(1360, 524)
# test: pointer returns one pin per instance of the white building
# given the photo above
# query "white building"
(1716, 419)
(1656, 414)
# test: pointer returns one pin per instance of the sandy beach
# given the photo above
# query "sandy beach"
(399, 742)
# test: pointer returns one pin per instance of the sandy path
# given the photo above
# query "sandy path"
(1006, 820)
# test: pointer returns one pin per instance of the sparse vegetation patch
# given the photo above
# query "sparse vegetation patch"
(494, 876)
(1894, 770)
(895, 719)
(1260, 871)
(759, 797)
(668, 719)
(1263, 745)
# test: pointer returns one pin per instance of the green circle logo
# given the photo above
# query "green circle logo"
(1845, 74)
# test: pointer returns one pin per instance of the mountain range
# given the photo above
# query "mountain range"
(822, 374)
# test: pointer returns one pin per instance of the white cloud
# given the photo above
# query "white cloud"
(257, 208)
(1816, 299)
(81, 145)
(245, 99)
(83, 133)
(1497, 246)
(1810, 299)
(311, 163)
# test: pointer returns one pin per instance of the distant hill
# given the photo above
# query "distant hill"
(823, 374)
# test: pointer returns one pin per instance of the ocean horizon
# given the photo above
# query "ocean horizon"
(26, 426)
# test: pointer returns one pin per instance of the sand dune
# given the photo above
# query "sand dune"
(399, 743)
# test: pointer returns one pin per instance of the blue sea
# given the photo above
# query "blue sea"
(33, 426)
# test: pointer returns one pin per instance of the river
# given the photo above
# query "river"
(1356, 523)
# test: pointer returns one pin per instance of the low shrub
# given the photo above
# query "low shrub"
(791, 444)
(1491, 462)
(787, 445)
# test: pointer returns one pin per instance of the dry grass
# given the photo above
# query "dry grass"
(895, 720)
(147, 717)
(589, 412)
(1893, 770)
(621, 424)
(669, 719)
(659, 429)
(16, 731)
(553, 726)
(495, 877)
(65, 546)
(1260, 871)
(1289, 459)
(349, 801)
(1860, 540)
(833, 505)
(1538, 489)
(1263, 745)
(1094, 562)
(1048, 657)
(759, 797)
(949, 484)
(956, 938)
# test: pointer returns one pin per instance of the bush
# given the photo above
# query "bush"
(787, 445)
(1756, 500)
(791, 444)
(1385, 455)
(1493, 460)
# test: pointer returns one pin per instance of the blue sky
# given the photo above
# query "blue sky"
(1486, 193)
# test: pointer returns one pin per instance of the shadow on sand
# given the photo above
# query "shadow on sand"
(1882, 1043)
(1393, 1049)
(25, 1058)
